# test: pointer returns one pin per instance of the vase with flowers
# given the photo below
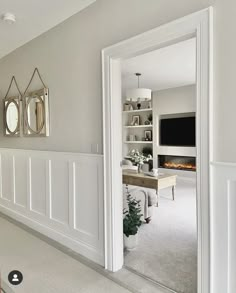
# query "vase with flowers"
(138, 158)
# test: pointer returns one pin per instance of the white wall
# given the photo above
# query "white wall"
(175, 100)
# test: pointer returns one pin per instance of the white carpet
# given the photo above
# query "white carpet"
(167, 250)
(46, 269)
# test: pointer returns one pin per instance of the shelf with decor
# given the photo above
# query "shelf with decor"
(138, 110)
(139, 126)
(137, 120)
(136, 141)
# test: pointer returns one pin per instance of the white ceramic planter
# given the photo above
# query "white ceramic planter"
(131, 242)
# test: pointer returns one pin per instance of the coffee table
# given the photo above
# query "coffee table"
(158, 182)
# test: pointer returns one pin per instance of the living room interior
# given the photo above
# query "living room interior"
(159, 141)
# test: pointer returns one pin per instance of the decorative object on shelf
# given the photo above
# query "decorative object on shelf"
(148, 135)
(36, 110)
(139, 105)
(150, 118)
(135, 120)
(138, 94)
(132, 137)
(138, 158)
(150, 104)
(128, 107)
(12, 112)
(131, 222)
(147, 122)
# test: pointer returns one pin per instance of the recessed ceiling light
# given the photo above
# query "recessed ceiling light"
(9, 18)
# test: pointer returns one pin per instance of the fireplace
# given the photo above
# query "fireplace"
(177, 162)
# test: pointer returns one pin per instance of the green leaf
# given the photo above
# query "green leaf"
(132, 220)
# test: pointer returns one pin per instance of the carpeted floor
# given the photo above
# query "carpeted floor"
(45, 268)
(167, 249)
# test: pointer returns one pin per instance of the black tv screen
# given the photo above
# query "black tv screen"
(178, 132)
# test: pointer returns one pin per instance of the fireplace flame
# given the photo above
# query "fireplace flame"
(180, 166)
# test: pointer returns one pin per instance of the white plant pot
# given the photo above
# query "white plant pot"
(131, 242)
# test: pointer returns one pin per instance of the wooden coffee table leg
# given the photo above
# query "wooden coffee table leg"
(157, 198)
(173, 192)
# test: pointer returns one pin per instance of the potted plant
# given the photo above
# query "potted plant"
(131, 222)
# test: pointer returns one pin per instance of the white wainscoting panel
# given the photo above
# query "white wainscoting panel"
(59, 191)
(57, 194)
(223, 227)
(38, 185)
(7, 176)
(21, 168)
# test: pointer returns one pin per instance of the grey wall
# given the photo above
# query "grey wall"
(69, 59)
(175, 100)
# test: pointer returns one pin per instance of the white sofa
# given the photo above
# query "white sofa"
(147, 197)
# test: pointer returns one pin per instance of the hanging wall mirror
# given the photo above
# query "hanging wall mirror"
(36, 110)
(12, 112)
(12, 116)
(36, 113)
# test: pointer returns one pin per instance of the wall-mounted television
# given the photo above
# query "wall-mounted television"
(178, 131)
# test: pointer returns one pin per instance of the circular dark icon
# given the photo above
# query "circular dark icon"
(15, 277)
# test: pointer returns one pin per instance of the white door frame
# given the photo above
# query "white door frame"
(198, 24)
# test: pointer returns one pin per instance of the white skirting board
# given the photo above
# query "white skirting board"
(57, 194)
(223, 228)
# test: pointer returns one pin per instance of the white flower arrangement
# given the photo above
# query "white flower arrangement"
(138, 158)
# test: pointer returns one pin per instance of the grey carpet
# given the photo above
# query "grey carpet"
(167, 249)
(45, 268)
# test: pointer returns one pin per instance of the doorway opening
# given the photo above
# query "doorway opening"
(197, 26)
(165, 247)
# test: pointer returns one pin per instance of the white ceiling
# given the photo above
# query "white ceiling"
(168, 67)
(34, 17)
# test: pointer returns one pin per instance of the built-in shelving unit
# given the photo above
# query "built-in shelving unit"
(134, 135)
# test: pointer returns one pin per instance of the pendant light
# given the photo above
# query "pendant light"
(138, 94)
